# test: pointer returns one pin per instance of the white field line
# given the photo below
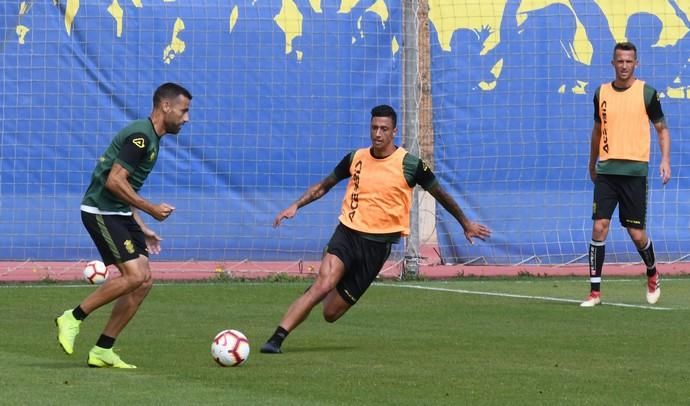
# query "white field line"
(463, 291)
(516, 296)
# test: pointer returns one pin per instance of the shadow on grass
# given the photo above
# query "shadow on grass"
(321, 348)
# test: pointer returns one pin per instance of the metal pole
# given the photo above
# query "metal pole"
(411, 94)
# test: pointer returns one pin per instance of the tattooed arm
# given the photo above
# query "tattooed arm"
(315, 192)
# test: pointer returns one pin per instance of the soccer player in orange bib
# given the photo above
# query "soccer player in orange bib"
(375, 214)
(619, 164)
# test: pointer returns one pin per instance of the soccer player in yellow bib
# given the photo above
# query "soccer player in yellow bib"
(375, 213)
(619, 164)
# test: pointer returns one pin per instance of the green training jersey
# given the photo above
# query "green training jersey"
(135, 148)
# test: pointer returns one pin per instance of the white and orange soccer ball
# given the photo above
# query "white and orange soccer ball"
(95, 272)
(230, 348)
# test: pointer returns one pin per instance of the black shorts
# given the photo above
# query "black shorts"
(117, 238)
(363, 261)
(630, 192)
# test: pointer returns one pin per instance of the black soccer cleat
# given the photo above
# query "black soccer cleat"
(270, 347)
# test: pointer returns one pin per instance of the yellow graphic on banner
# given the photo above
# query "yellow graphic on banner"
(381, 9)
(449, 15)
(116, 11)
(70, 14)
(580, 88)
(481, 24)
(618, 12)
(234, 15)
(346, 6)
(664, 22)
(177, 46)
(21, 29)
(580, 48)
(24, 8)
(316, 6)
(495, 72)
(289, 19)
(664, 26)
(677, 92)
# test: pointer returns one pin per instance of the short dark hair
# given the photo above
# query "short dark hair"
(169, 91)
(385, 110)
(625, 46)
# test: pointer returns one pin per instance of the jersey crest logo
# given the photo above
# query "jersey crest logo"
(129, 246)
(139, 142)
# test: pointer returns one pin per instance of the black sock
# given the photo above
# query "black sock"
(597, 252)
(647, 254)
(79, 313)
(279, 335)
(105, 342)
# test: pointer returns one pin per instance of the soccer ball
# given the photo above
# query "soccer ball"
(95, 272)
(230, 348)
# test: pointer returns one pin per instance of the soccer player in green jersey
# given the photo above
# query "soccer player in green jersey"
(109, 211)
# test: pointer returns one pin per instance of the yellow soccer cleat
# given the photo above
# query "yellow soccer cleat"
(68, 328)
(106, 358)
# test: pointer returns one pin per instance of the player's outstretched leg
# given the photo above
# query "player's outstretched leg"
(67, 331)
(106, 358)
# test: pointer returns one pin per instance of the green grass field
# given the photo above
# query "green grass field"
(522, 341)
